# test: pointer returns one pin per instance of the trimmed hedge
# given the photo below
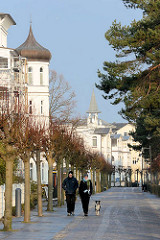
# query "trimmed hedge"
(153, 188)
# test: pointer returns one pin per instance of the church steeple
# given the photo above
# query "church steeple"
(93, 108)
(93, 111)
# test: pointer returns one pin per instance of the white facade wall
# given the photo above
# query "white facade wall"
(44, 170)
(5, 23)
(2, 196)
(38, 92)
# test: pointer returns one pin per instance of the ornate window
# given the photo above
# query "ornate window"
(94, 141)
(41, 76)
(30, 79)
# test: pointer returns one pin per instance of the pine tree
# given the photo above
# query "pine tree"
(134, 78)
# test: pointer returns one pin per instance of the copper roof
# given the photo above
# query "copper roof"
(32, 50)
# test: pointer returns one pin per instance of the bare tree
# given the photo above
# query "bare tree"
(62, 98)
(8, 151)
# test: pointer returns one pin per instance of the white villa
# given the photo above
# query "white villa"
(112, 141)
(24, 79)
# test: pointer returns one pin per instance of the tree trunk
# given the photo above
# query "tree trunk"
(110, 180)
(39, 189)
(97, 181)
(59, 191)
(67, 168)
(114, 178)
(72, 169)
(93, 181)
(8, 196)
(62, 178)
(50, 184)
(77, 175)
(107, 180)
(100, 180)
(27, 191)
(120, 179)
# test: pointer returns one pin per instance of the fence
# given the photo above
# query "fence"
(2, 197)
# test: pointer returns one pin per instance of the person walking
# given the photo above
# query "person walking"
(85, 191)
(70, 185)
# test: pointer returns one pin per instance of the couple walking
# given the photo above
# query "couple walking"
(70, 185)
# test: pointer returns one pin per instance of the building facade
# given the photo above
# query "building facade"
(24, 83)
(112, 140)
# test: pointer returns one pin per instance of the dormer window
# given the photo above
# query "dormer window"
(41, 76)
(30, 80)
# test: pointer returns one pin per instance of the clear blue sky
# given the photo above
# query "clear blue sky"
(73, 30)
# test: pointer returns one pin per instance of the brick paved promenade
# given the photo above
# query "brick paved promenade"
(126, 213)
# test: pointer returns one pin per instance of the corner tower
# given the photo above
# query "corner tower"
(38, 59)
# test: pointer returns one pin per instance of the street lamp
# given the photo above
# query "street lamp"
(137, 176)
(149, 137)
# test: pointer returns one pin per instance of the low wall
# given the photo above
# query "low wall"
(2, 197)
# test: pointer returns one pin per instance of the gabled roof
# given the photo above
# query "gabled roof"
(101, 130)
(118, 126)
(93, 108)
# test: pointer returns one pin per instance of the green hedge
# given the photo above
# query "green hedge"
(153, 188)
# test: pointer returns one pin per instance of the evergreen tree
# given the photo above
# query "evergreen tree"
(134, 78)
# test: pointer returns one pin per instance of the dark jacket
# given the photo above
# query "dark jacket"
(70, 185)
(85, 186)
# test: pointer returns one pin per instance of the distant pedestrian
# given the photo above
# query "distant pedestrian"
(70, 185)
(85, 191)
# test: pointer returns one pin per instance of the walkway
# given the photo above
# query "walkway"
(126, 213)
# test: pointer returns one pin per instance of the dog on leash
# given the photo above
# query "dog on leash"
(97, 207)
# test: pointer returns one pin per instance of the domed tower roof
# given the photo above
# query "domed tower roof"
(32, 50)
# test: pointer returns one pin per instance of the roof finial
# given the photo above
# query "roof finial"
(31, 19)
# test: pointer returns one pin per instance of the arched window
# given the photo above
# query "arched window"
(94, 141)
(41, 76)
(30, 80)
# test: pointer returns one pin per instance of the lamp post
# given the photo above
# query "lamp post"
(111, 158)
(137, 176)
(150, 153)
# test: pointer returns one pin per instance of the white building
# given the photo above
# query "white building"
(112, 141)
(24, 78)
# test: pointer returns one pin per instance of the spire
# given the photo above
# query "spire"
(93, 108)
